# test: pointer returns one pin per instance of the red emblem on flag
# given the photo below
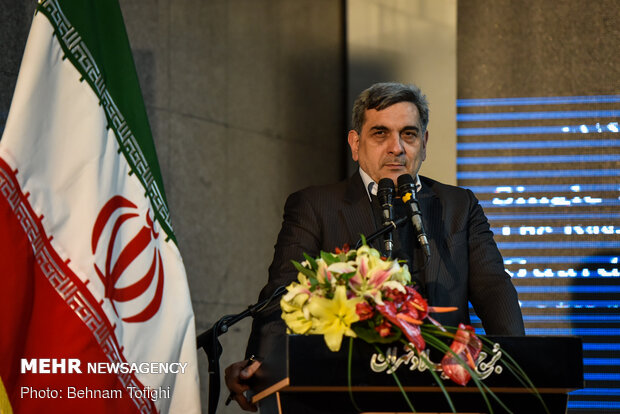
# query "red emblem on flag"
(127, 245)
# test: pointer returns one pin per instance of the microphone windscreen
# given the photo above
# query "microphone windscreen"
(406, 185)
(386, 185)
(405, 179)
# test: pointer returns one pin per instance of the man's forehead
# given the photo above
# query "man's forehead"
(380, 126)
(406, 114)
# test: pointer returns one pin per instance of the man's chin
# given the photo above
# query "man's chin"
(395, 173)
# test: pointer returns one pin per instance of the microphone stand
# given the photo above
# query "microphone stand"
(385, 229)
(210, 343)
(392, 226)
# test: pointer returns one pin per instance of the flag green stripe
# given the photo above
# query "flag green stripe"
(93, 37)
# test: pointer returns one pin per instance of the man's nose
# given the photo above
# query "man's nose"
(395, 144)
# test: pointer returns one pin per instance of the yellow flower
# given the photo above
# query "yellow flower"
(401, 274)
(294, 310)
(333, 317)
(295, 314)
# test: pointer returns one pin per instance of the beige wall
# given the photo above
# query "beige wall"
(244, 97)
(410, 41)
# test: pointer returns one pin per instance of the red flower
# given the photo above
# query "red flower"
(394, 295)
(345, 249)
(364, 311)
(466, 346)
(416, 304)
(406, 310)
(385, 329)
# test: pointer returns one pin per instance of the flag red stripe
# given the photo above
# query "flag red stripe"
(49, 313)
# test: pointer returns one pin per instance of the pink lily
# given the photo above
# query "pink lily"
(362, 269)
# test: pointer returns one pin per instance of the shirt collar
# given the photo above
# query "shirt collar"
(372, 187)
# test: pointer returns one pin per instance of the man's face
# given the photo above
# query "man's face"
(391, 142)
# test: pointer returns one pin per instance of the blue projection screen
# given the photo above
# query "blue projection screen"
(546, 171)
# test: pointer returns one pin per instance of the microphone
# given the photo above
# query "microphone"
(406, 190)
(385, 194)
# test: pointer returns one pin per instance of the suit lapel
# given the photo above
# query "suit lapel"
(357, 211)
(358, 216)
(430, 207)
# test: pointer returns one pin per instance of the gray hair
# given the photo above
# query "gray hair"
(381, 95)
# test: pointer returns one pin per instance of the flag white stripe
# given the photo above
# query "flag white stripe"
(56, 136)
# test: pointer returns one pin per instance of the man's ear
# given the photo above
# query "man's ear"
(354, 143)
(424, 143)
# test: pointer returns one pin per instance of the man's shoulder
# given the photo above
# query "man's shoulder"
(341, 190)
(332, 188)
(444, 190)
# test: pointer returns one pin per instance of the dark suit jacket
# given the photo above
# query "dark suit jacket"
(465, 263)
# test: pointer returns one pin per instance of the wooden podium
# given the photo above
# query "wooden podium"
(303, 376)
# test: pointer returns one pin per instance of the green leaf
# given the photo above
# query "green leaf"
(329, 289)
(429, 366)
(369, 335)
(474, 375)
(351, 255)
(307, 272)
(312, 262)
(314, 282)
(515, 369)
(363, 239)
(329, 258)
(346, 276)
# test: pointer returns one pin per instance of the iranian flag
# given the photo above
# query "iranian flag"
(95, 311)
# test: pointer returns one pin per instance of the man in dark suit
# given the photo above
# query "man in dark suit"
(388, 139)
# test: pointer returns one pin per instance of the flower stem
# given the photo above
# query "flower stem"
(349, 382)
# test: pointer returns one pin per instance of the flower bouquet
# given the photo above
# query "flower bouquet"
(358, 293)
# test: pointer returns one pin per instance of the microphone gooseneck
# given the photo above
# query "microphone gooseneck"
(406, 191)
(385, 194)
